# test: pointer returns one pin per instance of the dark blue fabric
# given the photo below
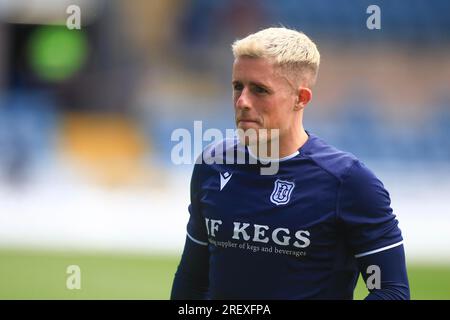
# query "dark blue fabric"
(393, 275)
(292, 235)
(191, 278)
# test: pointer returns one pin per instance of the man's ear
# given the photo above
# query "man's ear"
(304, 96)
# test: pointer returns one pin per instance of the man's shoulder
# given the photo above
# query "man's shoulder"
(336, 162)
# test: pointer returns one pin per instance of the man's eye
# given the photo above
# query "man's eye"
(260, 90)
(237, 87)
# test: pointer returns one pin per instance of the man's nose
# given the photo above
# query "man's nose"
(243, 101)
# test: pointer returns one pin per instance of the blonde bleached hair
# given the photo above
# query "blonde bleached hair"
(291, 50)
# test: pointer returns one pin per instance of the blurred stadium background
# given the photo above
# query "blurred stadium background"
(86, 118)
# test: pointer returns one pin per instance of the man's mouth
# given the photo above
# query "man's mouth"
(246, 121)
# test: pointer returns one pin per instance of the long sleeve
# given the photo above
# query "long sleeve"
(372, 232)
(192, 276)
(390, 268)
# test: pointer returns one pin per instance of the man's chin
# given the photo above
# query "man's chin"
(248, 125)
(248, 141)
(258, 137)
(251, 137)
(247, 136)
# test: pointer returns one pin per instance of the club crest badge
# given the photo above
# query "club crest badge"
(282, 191)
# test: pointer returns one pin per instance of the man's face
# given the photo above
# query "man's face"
(263, 98)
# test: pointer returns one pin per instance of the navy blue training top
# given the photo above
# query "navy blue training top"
(297, 234)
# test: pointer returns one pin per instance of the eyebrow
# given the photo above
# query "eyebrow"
(254, 83)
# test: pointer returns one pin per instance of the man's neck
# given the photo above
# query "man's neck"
(291, 144)
(285, 146)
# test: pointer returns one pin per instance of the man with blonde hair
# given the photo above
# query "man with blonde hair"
(308, 230)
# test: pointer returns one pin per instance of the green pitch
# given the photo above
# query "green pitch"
(42, 275)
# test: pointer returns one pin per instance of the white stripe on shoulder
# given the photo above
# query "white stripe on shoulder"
(378, 250)
(196, 241)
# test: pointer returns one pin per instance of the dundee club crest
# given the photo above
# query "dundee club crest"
(282, 191)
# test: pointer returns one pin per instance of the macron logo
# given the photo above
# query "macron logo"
(224, 178)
